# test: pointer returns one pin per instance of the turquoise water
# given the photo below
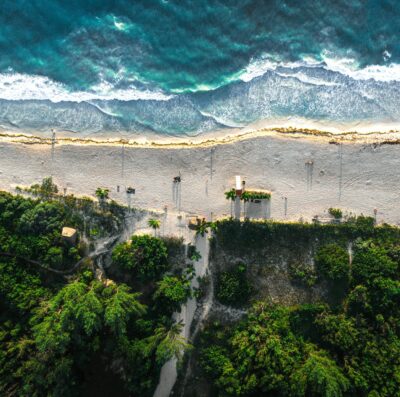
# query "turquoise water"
(187, 67)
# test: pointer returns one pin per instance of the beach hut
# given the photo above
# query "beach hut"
(257, 204)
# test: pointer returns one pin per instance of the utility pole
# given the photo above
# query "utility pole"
(123, 161)
(340, 169)
(211, 162)
(53, 143)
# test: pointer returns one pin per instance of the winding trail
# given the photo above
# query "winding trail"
(169, 374)
(102, 248)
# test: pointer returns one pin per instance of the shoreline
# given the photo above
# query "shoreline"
(372, 136)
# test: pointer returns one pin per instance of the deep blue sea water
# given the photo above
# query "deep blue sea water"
(187, 67)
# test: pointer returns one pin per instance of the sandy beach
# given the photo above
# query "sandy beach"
(312, 171)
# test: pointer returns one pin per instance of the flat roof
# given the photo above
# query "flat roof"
(68, 232)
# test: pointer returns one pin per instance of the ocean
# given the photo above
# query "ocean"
(185, 67)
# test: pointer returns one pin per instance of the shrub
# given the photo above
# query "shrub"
(193, 254)
(302, 273)
(362, 222)
(175, 250)
(336, 213)
(146, 255)
(102, 193)
(201, 291)
(46, 189)
(332, 262)
(248, 195)
(54, 257)
(233, 287)
(372, 262)
(44, 218)
(172, 292)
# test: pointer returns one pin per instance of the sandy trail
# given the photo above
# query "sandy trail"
(312, 174)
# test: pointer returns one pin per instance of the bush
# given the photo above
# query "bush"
(175, 246)
(233, 287)
(336, 213)
(172, 292)
(362, 222)
(44, 218)
(54, 257)
(145, 255)
(372, 262)
(303, 274)
(332, 262)
(201, 291)
(193, 254)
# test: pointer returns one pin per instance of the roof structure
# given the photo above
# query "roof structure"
(68, 232)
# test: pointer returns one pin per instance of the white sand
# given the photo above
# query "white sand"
(368, 178)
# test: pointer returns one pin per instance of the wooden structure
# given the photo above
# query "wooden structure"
(69, 235)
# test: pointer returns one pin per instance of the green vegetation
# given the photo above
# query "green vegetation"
(172, 292)
(47, 189)
(64, 335)
(146, 256)
(154, 224)
(233, 287)
(193, 254)
(247, 195)
(332, 262)
(336, 213)
(66, 326)
(250, 195)
(230, 195)
(238, 237)
(345, 347)
(203, 227)
(31, 229)
(263, 356)
(303, 274)
(102, 193)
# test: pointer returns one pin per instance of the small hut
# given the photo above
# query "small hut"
(195, 221)
(257, 204)
(69, 235)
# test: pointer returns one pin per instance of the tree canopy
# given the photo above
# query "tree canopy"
(53, 329)
(145, 255)
(349, 347)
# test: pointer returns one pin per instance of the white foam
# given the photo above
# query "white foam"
(345, 66)
(220, 120)
(259, 66)
(349, 67)
(16, 86)
(309, 79)
(256, 68)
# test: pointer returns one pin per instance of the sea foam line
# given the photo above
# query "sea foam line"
(345, 66)
(17, 86)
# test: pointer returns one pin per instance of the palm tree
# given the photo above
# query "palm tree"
(168, 343)
(231, 195)
(154, 224)
(102, 195)
(201, 228)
